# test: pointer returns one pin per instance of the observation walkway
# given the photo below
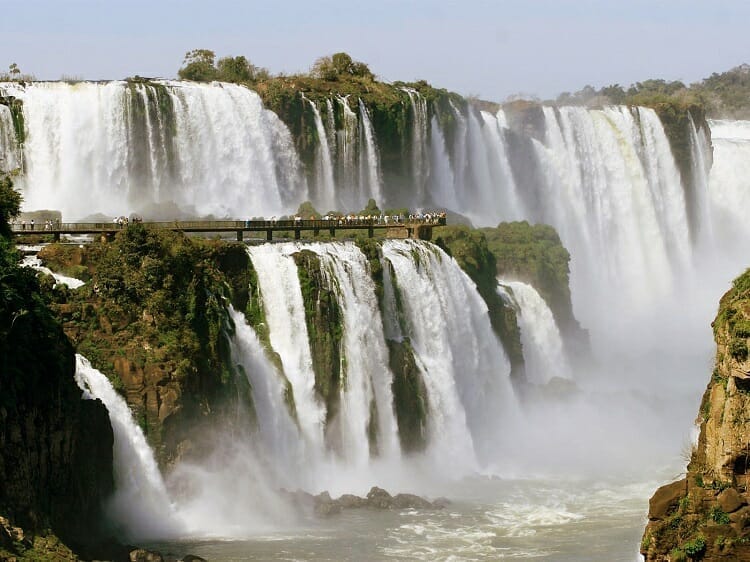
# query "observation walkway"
(394, 227)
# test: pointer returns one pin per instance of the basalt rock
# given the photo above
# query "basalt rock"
(706, 515)
(322, 505)
(55, 447)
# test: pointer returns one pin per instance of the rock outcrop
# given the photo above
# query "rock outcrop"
(55, 448)
(153, 318)
(707, 514)
(323, 505)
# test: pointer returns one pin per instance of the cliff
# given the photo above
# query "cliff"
(55, 447)
(518, 250)
(706, 514)
(153, 318)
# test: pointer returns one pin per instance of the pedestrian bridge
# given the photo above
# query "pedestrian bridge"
(393, 227)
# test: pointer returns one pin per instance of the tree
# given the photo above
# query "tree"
(10, 204)
(235, 69)
(14, 71)
(340, 65)
(199, 66)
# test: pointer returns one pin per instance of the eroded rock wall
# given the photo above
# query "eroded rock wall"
(706, 515)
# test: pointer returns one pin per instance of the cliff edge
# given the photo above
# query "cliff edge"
(706, 516)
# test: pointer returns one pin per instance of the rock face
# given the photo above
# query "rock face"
(706, 515)
(55, 448)
(153, 318)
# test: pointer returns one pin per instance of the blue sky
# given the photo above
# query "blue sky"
(488, 48)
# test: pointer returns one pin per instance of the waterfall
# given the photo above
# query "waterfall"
(463, 365)
(141, 505)
(326, 187)
(442, 179)
(161, 149)
(347, 151)
(369, 160)
(613, 192)
(368, 378)
(543, 350)
(35, 263)
(700, 158)
(285, 314)
(419, 143)
(729, 180)
(9, 154)
(277, 430)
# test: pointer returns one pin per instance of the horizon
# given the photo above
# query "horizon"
(490, 50)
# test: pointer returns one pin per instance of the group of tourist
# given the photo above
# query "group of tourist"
(430, 217)
(48, 224)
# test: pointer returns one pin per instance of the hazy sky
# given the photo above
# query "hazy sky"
(489, 48)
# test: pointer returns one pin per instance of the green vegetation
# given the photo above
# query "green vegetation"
(154, 319)
(470, 248)
(325, 329)
(718, 515)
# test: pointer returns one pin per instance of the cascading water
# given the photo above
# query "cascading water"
(543, 348)
(368, 378)
(419, 143)
(347, 151)
(162, 148)
(463, 365)
(326, 187)
(729, 180)
(613, 192)
(35, 263)
(369, 160)
(9, 154)
(285, 314)
(141, 506)
(701, 159)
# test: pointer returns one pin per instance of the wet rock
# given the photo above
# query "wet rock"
(350, 501)
(143, 555)
(410, 501)
(379, 498)
(193, 558)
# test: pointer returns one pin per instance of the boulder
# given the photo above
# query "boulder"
(410, 501)
(730, 500)
(379, 498)
(666, 499)
(143, 555)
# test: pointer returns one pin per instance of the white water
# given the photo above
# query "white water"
(141, 506)
(463, 365)
(285, 314)
(419, 144)
(9, 153)
(367, 376)
(35, 263)
(326, 187)
(729, 181)
(200, 149)
(543, 348)
(370, 164)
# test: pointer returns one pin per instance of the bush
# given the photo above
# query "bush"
(719, 516)
(695, 547)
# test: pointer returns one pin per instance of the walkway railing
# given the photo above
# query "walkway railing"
(421, 225)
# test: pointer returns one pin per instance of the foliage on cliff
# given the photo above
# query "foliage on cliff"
(471, 250)
(324, 328)
(709, 507)
(154, 319)
(55, 448)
